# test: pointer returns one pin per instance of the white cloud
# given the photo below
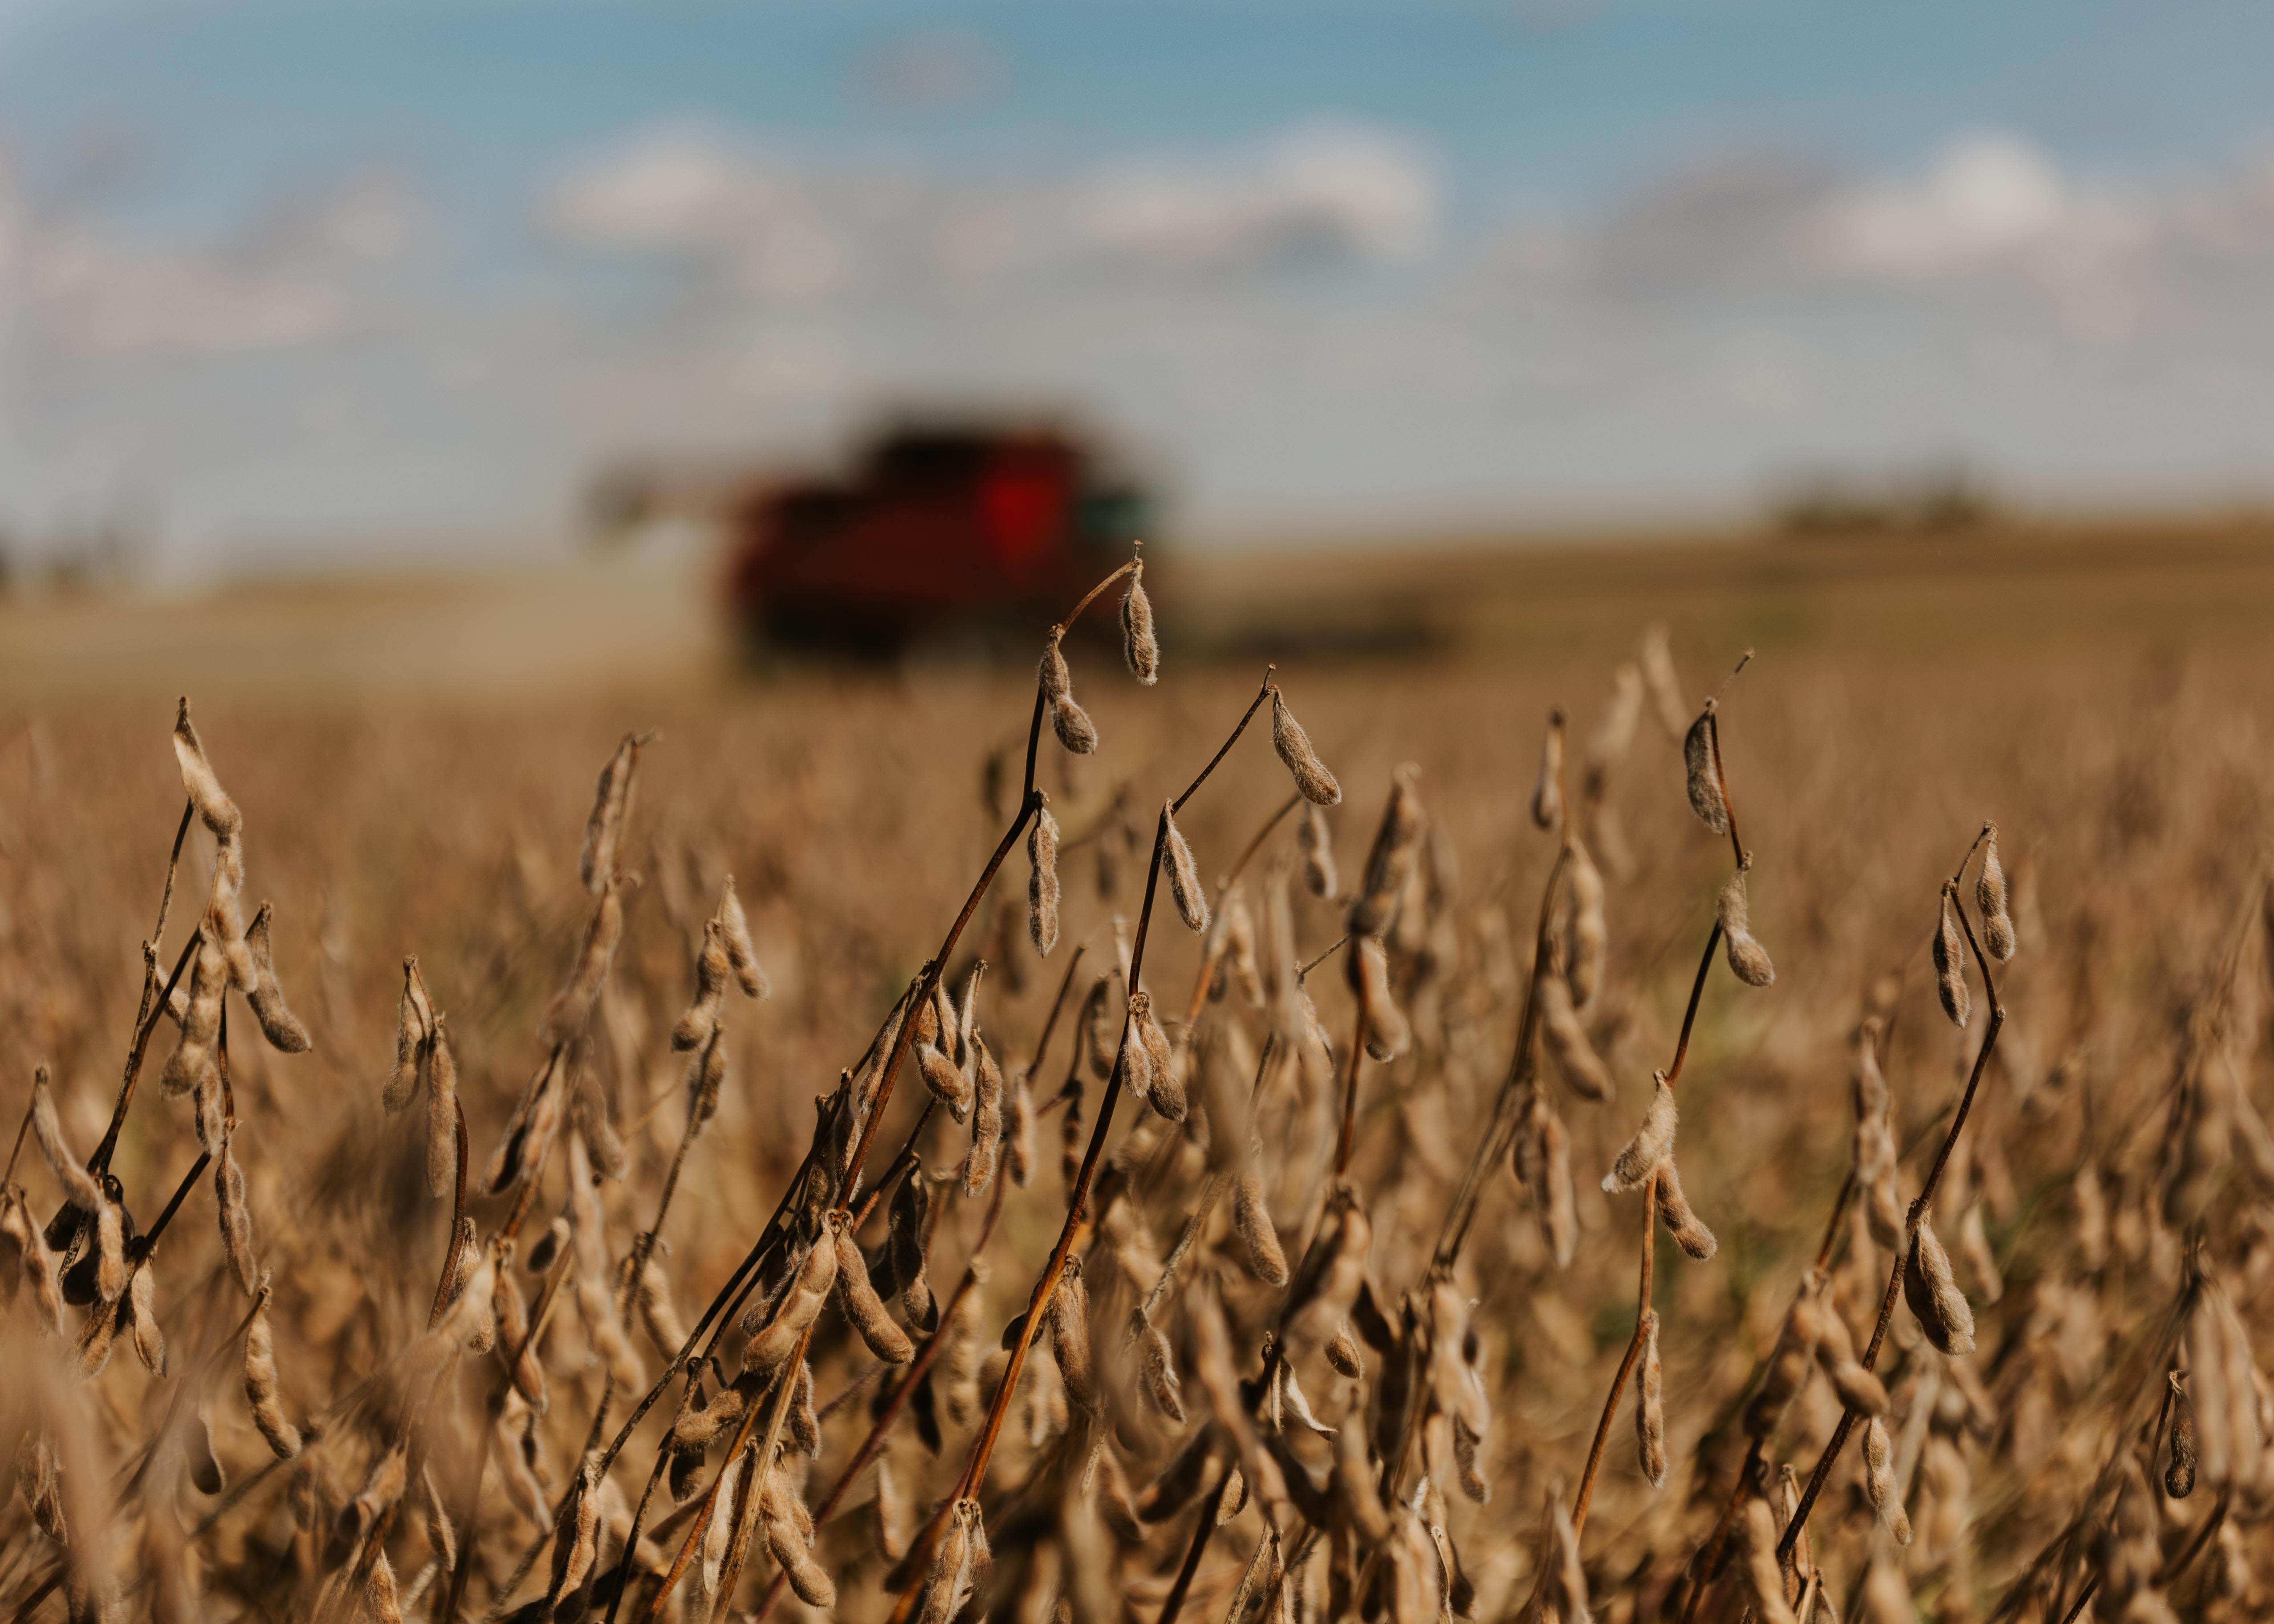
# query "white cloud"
(1327, 193)
(297, 271)
(781, 225)
(1987, 196)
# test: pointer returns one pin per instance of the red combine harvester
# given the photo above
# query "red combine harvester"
(951, 534)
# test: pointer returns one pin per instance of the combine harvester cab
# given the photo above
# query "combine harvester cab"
(963, 539)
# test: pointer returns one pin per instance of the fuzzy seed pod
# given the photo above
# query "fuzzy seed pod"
(1650, 1405)
(936, 1021)
(1933, 1295)
(986, 1118)
(1652, 1143)
(945, 1080)
(859, 1299)
(528, 1131)
(658, 1314)
(472, 1320)
(1357, 1496)
(1989, 896)
(949, 1585)
(215, 809)
(1183, 875)
(442, 1115)
(1252, 1217)
(2218, 1439)
(734, 931)
(1068, 1317)
(1591, 936)
(1018, 1131)
(577, 1533)
(1288, 1400)
(1950, 966)
(1147, 1068)
(1311, 778)
(718, 1530)
(2179, 1471)
(712, 966)
(1880, 1481)
(39, 1479)
(193, 1059)
(1563, 1581)
(963, 1351)
(1232, 947)
(260, 1384)
(1097, 1034)
(1390, 860)
(1043, 881)
(511, 1313)
(612, 794)
(804, 1420)
(1051, 675)
(1701, 759)
(911, 1202)
(800, 1304)
(1614, 730)
(1759, 1529)
(1366, 968)
(892, 1511)
(1140, 647)
(1789, 1361)
(224, 921)
(1318, 849)
(109, 1252)
(1071, 1138)
(1868, 1086)
(1560, 1209)
(1659, 680)
(1071, 724)
(1346, 1355)
(699, 1427)
(1547, 793)
(278, 1024)
(706, 1077)
(78, 1185)
(547, 1246)
(789, 1536)
(382, 1488)
(1681, 1223)
(381, 1597)
(1157, 1369)
(1749, 960)
(414, 1018)
(96, 1338)
(1567, 1039)
(1468, 1467)
(572, 1008)
(37, 1262)
(1859, 1389)
(142, 1313)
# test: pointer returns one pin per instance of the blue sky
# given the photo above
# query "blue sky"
(307, 276)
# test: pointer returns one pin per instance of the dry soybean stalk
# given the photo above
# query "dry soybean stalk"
(1709, 721)
(975, 1471)
(1952, 898)
(745, 1276)
(873, 1443)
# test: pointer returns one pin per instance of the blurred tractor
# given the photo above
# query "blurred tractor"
(956, 534)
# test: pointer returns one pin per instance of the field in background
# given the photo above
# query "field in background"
(2124, 586)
